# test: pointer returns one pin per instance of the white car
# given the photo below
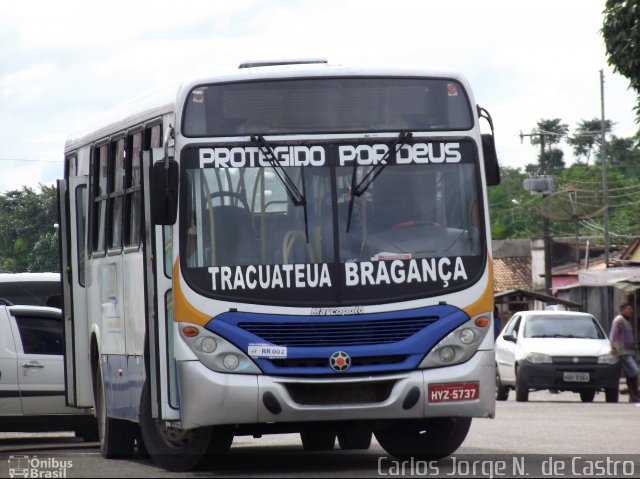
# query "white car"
(32, 395)
(555, 350)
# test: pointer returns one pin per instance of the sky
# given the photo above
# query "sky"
(65, 61)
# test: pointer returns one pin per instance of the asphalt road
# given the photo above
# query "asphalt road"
(552, 434)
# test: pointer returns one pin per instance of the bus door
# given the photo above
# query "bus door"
(158, 242)
(73, 197)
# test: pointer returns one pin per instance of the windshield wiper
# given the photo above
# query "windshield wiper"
(297, 197)
(360, 188)
(294, 193)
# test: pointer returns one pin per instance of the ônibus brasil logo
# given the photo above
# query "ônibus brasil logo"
(26, 466)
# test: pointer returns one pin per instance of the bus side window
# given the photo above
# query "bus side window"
(133, 209)
(116, 194)
(99, 196)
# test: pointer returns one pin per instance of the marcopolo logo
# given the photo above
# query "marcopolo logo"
(26, 466)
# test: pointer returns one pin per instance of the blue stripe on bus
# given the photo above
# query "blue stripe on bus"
(405, 354)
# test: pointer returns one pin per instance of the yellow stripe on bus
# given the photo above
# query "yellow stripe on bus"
(184, 312)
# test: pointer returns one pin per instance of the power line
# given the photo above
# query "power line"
(29, 160)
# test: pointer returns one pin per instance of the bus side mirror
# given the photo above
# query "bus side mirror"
(491, 167)
(164, 192)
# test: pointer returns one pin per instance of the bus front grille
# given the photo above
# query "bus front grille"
(323, 362)
(337, 333)
(340, 394)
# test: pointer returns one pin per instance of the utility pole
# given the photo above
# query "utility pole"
(605, 193)
(545, 192)
(605, 187)
(545, 225)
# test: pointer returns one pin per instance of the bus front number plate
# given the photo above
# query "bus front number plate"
(453, 392)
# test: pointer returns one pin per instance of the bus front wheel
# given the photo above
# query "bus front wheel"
(179, 449)
(426, 440)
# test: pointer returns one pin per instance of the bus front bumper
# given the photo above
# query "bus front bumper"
(208, 398)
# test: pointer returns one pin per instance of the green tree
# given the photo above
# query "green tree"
(552, 160)
(621, 33)
(26, 219)
(587, 138)
(623, 156)
(511, 207)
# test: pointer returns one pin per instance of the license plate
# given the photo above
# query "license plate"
(571, 377)
(453, 392)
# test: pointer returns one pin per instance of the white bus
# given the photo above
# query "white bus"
(293, 247)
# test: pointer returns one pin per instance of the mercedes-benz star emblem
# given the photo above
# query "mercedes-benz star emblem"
(340, 361)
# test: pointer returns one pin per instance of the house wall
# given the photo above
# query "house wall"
(537, 264)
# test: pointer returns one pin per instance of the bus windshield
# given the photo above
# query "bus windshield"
(414, 231)
(326, 105)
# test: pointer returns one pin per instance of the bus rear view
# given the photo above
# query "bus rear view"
(326, 264)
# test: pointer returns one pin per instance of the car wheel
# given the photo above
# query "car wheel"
(587, 396)
(88, 434)
(611, 394)
(502, 392)
(522, 390)
(428, 440)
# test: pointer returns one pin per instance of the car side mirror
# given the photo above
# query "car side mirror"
(510, 337)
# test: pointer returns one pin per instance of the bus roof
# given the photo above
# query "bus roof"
(29, 277)
(167, 99)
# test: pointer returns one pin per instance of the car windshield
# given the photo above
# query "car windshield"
(563, 327)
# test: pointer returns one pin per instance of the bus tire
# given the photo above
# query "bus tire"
(318, 440)
(426, 440)
(354, 439)
(116, 436)
(178, 450)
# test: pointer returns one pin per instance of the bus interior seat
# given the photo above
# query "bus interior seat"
(235, 238)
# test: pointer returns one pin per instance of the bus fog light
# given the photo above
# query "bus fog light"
(447, 354)
(208, 345)
(231, 362)
(467, 336)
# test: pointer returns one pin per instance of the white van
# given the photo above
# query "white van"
(32, 396)
(35, 289)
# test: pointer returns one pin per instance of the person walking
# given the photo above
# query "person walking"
(623, 344)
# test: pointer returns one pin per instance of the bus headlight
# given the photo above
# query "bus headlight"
(215, 352)
(231, 362)
(208, 345)
(447, 354)
(459, 345)
(467, 336)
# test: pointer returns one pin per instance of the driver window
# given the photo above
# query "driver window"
(513, 326)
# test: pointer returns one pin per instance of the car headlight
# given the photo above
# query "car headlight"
(608, 359)
(459, 345)
(215, 352)
(539, 358)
